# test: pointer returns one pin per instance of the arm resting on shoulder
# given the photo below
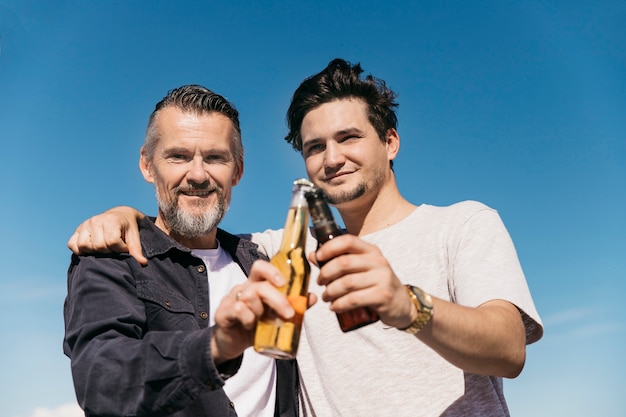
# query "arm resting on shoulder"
(114, 231)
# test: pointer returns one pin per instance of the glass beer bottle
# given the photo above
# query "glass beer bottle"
(325, 228)
(275, 337)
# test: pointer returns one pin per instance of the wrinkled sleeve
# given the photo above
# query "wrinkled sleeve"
(486, 267)
(118, 367)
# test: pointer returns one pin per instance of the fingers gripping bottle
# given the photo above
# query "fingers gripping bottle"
(275, 337)
(325, 228)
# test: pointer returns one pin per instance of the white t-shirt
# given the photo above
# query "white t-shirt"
(461, 253)
(253, 388)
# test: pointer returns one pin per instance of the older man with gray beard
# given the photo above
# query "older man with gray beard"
(150, 340)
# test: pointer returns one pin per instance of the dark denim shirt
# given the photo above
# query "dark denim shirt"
(138, 337)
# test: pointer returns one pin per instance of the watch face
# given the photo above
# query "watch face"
(423, 303)
(424, 299)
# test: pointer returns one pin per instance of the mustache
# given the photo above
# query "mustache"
(206, 187)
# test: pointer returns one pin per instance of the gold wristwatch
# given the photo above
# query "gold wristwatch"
(424, 304)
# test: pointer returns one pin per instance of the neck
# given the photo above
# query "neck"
(386, 208)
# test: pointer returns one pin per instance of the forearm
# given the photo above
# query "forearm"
(487, 340)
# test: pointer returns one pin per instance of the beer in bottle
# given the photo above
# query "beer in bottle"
(325, 228)
(275, 337)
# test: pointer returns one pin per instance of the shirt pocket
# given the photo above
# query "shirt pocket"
(165, 308)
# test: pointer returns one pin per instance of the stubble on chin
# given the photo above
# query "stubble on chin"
(346, 196)
(362, 188)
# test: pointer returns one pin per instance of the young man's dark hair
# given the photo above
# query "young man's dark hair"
(339, 80)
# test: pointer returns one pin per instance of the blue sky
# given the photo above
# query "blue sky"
(520, 105)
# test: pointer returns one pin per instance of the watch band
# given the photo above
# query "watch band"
(424, 304)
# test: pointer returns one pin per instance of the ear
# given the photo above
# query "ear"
(238, 173)
(145, 167)
(392, 143)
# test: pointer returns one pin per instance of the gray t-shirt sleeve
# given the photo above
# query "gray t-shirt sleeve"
(485, 267)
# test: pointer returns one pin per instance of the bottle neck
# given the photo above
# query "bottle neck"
(296, 225)
(324, 224)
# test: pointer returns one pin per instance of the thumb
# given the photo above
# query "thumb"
(133, 242)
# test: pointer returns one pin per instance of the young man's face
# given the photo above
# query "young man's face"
(343, 154)
(193, 170)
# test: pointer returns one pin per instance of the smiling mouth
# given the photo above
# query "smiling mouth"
(338, 175)
(196, 193)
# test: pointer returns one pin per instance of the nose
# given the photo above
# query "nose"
(333, 157)
(197, 171)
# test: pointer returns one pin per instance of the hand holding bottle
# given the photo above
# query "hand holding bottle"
(237, 315)
(356, 274)
(276, 337)
(325, 228)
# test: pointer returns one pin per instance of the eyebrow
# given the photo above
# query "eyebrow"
(350, 130)
(175, 149)
(184, 150)
(342, 132)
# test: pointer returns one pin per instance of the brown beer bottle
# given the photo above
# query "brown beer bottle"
(325, 228)
(275, 337)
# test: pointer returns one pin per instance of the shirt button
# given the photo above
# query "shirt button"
(201, 268)
(204, 315)
(168, 304)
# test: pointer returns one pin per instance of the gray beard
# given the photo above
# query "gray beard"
(190, 225)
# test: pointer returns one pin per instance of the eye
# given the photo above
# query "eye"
(349, 138)
(217, 158)
(313, 148)
(178, 157)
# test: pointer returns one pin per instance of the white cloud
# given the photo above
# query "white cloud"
(598, 329)
(567, 316)
(581, 323)
(66, 410)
